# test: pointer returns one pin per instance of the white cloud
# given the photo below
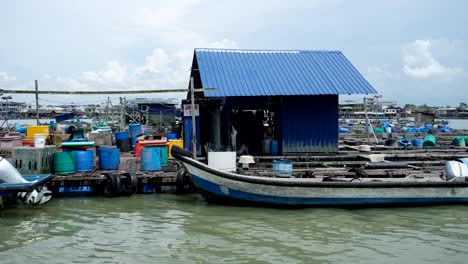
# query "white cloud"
(71, 84)
(420, 63)
(382, 72)
(224, 44)
(167, 66)
(162, 69)
(155, 63)
(6, 77)
(113, 73)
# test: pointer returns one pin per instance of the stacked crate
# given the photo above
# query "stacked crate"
(30, 160)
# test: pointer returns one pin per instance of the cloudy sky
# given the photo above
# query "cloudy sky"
(410, 51)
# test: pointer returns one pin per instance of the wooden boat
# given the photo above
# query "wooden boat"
(230, 187)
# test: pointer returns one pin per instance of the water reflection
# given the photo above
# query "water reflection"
(184, 229)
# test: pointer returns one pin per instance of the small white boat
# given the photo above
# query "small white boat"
(29, 189)
(229, 187)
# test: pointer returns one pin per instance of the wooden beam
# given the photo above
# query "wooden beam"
(107, 92)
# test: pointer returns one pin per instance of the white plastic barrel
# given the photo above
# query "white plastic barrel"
(39, 140)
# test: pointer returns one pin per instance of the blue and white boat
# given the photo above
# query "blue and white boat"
(30, 189)
(229, 187)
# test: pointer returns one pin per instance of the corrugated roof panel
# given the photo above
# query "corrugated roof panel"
(264, 73)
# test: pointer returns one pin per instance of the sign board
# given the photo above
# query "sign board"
(188, 110)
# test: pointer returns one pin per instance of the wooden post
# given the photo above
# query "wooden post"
(194, 130)
(107, 110)
(369, 123)
(37, 103)
(122, 113)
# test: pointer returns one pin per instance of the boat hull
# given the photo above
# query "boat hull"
(220, 190)
(220, 187)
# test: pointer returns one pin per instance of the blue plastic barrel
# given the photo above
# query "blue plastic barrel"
(150, 159)
(122, 135)
(135, 129)
(344, 130)
(274, 148)
(21, 129)
(282, 168)
(133, 141)
(84, 160)
(417, 143)
(109, 158)
(171, 135)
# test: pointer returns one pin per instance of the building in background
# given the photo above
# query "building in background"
(288, 97)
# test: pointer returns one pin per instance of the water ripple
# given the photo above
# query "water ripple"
(184, 229)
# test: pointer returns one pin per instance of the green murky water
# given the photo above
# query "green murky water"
(184, 229)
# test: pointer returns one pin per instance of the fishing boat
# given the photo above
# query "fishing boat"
(29, 189)
(231, 187)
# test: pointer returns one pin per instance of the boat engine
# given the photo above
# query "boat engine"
(455, 169)
(35, 197)
(9, 174)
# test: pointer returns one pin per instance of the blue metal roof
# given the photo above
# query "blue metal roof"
(272, 73)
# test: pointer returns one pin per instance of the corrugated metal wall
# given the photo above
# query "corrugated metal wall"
(309, 124)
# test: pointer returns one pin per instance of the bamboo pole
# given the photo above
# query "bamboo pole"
(194, 130)
(37, 102)
(103, 92)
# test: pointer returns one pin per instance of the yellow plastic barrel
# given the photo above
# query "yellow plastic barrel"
(177, 142)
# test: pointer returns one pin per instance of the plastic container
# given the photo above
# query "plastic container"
(457, 141)
(175, 142)
(64, 163)
(135, 129)
(266, 146)
(378, 130)
(222, 160)
(164, 155)
(122, 135)
(109, 158)
(429, 140)
(150, 159)
(21, 129)
(78, 133)
(148, 143)
(123, 144)
(405, 142)
(9, 142)
(84, 160)
(282, 168)
(418, 143)
(39, 140)
(171, 135)
(133, 141)
(32, 130)
(344, 130)
(274, 148)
